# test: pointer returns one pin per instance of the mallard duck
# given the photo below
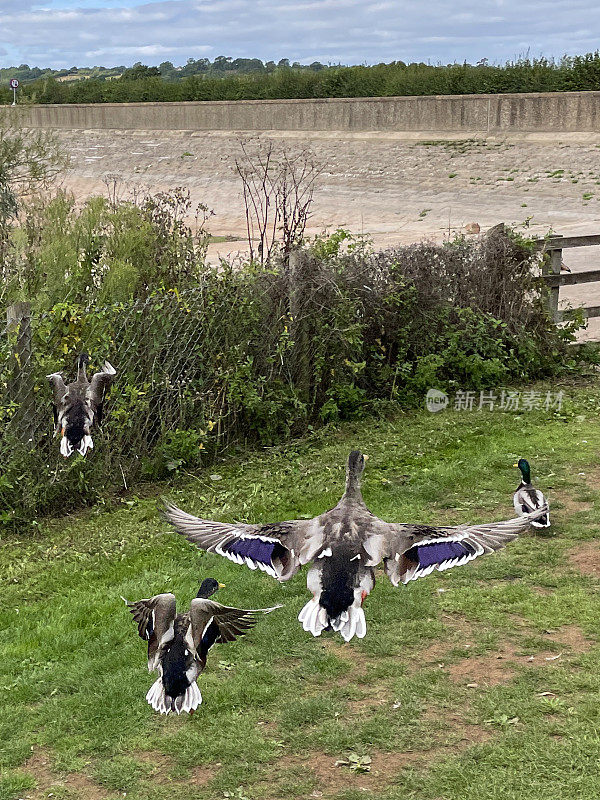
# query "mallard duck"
(527, 499)
(178, 644)
(78, 405)
(343, 546)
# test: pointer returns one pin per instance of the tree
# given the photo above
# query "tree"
(139, 72)
(29, 163)
(222, 63)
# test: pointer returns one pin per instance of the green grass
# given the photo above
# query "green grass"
(280, 708)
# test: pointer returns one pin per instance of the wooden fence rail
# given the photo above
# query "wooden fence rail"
(553, 276)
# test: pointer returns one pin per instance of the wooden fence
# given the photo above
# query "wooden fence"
(555, 278)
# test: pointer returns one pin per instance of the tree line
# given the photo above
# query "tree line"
(251, 79)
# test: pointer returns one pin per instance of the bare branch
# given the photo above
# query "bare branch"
(278, 185)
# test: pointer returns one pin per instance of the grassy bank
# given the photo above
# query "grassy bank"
(477, 683)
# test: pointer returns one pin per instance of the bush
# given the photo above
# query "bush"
(219, 355)
(142, 84)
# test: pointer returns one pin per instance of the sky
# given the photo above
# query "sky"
(66, 33)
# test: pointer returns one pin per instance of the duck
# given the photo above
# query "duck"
(527, 499)
(342, 547)
(77, 406)
(178, 644)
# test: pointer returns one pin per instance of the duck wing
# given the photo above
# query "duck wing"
(527, 500)
(412, 551)
(98, 387)
(279, 549)
(214, 623)
(59, 388)
(155, 618)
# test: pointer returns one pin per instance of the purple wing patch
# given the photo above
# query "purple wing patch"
(438, 552)
(255, 549)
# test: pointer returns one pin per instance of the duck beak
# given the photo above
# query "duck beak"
(221, 586)
(515, 465)
(365, 456)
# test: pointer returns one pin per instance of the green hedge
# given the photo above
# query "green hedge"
(218, 356)
(381, 80)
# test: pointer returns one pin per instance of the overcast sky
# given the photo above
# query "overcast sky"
(65, 33)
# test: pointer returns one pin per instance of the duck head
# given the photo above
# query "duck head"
(523, 466)
(82, 360)
(208, 587)
(354, 471)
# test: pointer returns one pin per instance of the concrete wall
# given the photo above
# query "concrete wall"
(552, 113)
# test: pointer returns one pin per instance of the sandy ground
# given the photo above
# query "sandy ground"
(393, 188)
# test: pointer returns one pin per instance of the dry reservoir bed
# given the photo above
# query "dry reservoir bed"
(396, 189)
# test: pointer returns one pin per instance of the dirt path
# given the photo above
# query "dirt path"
(397, 190)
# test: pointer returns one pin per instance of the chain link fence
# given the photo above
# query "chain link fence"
(253, 355)
(187, 366)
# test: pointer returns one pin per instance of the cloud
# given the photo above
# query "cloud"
(67, 32)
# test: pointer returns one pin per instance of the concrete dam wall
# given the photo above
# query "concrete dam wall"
(559, 112)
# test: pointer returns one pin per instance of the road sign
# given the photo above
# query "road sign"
(14, 85)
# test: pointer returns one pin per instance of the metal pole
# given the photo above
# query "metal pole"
(14, 97)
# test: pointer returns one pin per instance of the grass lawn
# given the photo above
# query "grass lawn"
(480, 682)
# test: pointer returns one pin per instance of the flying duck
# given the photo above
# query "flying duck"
(343, 546)
(527, 499)
(78, 405)
(178, 644)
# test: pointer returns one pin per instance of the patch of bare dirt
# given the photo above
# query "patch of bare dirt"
(378, 696)
(455, 735)
(159, 762)
(571, 637)
(81, 786)
(385, 767)
(586, 558)
(496, 668)
(452, 727)
(487, 670)
(572, 506)
(592, 477)
(202, 774)
(163, 769)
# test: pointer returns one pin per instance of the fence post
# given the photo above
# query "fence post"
(18, 321)
(299, 282)
(553, 268)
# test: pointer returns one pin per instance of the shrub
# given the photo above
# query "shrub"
(220, 355)
(379, 80)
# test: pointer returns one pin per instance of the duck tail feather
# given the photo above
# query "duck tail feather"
(350, 624)
(191, 699)
(157, 697)
(313, 617)
(542, 522)
(65, 447)
(85, 445)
